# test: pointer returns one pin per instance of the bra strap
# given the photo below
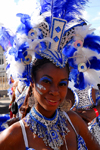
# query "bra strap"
(70, 122)
(24, 133)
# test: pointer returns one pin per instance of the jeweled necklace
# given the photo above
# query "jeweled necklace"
(52, 130)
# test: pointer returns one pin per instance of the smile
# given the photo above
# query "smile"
(52, 102)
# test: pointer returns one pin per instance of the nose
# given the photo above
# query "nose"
(54, 90)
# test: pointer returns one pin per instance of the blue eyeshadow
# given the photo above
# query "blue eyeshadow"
(45, 78)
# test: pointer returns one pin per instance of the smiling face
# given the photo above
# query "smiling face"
(50, 88)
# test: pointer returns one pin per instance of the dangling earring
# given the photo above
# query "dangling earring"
(65, 105)
(31, 101)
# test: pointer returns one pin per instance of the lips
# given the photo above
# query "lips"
(52, 102)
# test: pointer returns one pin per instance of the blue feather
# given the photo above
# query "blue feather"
(5, 38)
(78, 78)
(80, 84)
(25, 25)
(65, 9)
(94, 63)
(92, 42)
(68, 51)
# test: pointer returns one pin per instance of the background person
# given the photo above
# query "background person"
(84, 103)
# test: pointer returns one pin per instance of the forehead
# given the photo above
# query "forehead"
(52, 71)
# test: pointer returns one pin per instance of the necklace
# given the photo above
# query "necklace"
(51, 130)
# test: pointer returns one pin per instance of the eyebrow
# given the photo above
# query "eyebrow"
(52, 78)
(47, 76)
(65, 79)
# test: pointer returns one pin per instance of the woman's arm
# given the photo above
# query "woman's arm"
(89, 115)
(11, 138)
(82, 130)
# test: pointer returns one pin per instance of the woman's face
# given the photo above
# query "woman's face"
(50, 88)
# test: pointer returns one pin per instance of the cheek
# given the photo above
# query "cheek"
(42, 88)
(63, 92)
(39, 91)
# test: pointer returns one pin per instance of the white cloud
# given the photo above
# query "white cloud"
(98, 28)
(85, 15)
(97, 31)
(97, 17)
(9, 9)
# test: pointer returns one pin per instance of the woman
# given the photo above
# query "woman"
(43, 46)
(48, 98)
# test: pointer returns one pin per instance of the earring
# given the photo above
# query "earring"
(65, 105)
(31, 100)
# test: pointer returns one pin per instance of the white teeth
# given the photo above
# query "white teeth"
(52, 101)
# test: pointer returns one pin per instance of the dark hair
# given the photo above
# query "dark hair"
(25, 107)
(98, 85)
(37, 64)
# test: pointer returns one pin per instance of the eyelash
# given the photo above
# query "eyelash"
(63, 84)
(46, 81)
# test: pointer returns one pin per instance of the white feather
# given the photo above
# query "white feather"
(92, 76)
(82, 55)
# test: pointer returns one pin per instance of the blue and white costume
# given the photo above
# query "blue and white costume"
(84, 100)
(57, 34)
(36, 123)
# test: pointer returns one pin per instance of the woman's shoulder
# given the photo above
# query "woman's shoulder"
(11, 137)
(76, 120)
(73, 115)
(12, 131)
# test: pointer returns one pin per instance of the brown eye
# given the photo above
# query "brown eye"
(46, 81)
(63, 83)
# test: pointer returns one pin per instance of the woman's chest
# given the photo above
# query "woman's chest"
(70, 142)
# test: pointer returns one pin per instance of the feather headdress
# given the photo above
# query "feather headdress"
(86, 59)
(45, 35)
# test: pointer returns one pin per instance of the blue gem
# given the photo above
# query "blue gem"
(82, 67)
(32, 33)
(58, 29)
(78, 44)
(56, 39)
(53, 134)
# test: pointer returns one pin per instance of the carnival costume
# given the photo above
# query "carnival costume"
(84, 100)
(49, 33)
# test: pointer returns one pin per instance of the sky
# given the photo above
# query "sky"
(9, 8)
(92, 14)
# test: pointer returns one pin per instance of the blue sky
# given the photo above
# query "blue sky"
(92, 14)
(8, 12)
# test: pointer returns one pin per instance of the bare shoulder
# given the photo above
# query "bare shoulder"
(73, 116)
(77, 121)
(82, 130)
(11, 137)
(10, 131)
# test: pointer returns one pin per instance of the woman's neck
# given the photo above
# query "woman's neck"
(45, 113)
